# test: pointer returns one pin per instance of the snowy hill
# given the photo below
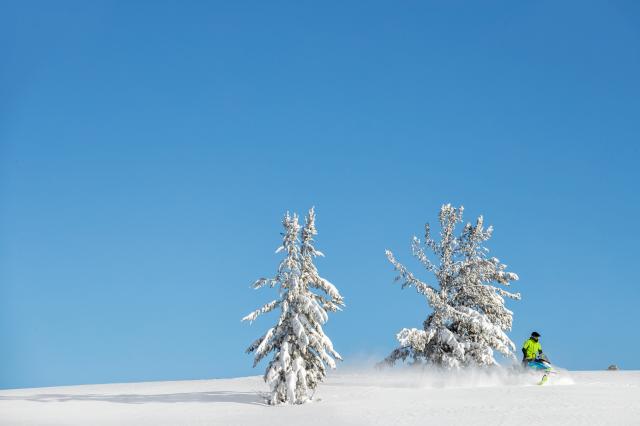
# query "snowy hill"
(577, 398)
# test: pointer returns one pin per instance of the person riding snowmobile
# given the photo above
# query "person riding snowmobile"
(534, 359)
(531, 348)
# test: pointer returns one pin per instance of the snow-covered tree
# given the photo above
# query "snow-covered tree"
(469, 317)
(301, 350)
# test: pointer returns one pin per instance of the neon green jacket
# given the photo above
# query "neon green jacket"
(531, 349)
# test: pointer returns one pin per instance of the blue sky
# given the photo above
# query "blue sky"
(149, 149)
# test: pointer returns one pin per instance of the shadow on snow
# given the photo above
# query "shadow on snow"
(252, 398)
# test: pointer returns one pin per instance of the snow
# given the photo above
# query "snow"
(354, 398)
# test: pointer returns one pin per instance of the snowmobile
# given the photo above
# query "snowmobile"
(542, 364)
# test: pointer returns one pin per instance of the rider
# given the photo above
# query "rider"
(531, 348)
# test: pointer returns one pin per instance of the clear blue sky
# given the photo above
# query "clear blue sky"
(149, 149)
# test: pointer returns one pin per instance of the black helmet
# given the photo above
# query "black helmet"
(535, 334)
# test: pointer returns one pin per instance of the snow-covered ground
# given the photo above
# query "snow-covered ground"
(575, 398)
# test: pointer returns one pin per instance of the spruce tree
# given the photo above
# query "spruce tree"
(301, 350)
(469, 318)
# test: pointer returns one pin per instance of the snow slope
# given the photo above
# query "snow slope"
(577, 398)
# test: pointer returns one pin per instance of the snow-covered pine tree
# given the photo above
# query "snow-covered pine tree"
(301, 350)
(469, 317)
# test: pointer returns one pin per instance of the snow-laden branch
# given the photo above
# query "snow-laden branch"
(266, 308)
(409, 279)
